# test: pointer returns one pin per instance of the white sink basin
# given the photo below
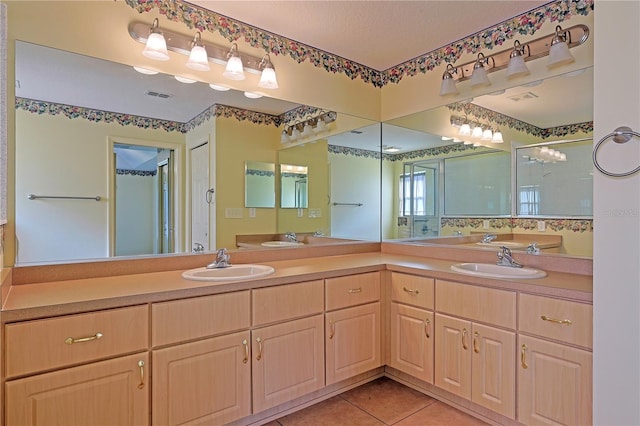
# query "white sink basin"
(281, 244)
(231, 273)
(509, 244)
(491, 270)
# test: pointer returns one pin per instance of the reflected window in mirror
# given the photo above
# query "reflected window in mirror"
(260, 187)
(555, 179)
(294, 186)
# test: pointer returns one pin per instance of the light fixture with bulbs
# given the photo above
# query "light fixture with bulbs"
(308, 128)
(473, 132)
(556, 46)
(200, 53)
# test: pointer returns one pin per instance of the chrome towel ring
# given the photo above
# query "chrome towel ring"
(620, 135)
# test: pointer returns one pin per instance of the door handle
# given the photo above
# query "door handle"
(208, 196)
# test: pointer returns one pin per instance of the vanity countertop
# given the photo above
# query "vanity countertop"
(44, 299)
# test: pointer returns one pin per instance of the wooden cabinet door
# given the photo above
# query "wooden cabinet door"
(412, 340)
(554, 383)
(352, 342)
(207, 381)
(113, 392)
(453, 355)
(493, 373)
(287, 361)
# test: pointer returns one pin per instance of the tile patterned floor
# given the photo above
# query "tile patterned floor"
(378, 403)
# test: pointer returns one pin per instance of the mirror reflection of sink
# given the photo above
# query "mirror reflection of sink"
(231, 273)
(509, 244)
(281, 244)
(491, 270)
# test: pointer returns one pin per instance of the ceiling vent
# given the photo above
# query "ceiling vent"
(523, 96)
(158, 94)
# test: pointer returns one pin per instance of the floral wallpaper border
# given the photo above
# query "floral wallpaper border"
(262, 173)
(482, 113)
(573, 225)
(490, 38)
(133, 172)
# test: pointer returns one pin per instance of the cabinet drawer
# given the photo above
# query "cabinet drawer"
(188, 319)
(352, 290)
(488, 305)
(56, 342)
(272, 304)
(570, 322)
(412, 290)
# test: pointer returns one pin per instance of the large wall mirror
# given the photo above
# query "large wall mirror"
(440, 181)
(68, 123)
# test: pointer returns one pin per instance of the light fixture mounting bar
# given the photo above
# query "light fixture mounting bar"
(181, 43)
(539, 48)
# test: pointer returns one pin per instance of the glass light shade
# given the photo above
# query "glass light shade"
(156, 48)
(285, 137)
(145, 71)
(497, 137)
(517, 66)
(487, 135)
(479, 77)
(448, 87)
(295, 134)
(198, 59)
(184, 79)
(477, 132)
(321, 126)
(234, 69)
(465, 130)
(559, 54)
(268, 79)
(307, 131)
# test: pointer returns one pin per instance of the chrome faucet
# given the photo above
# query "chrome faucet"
(291, 236)
(533, 248)
(198, 248)
(506, 259)
(222, 260)
(487, 238)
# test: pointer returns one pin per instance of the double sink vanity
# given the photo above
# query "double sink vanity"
(170, 341)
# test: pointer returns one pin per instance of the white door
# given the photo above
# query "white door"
(202, 198)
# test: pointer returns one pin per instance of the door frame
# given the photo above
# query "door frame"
(178, 187)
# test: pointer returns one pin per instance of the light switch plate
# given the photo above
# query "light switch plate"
(485, 224)
(314, 213)
(233, 213)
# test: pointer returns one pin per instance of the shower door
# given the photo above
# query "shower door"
(419, 200)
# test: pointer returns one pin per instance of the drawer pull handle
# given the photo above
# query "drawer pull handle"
(141, 366)
(557, 321)
(355, 290)
(408, 290)
(464, 339)
(427, 326)
(523, 356)
(332, 328)
(259, 356)
(475, 342)
(246, 351)
(71, 340)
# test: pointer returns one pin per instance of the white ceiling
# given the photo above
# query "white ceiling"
(375, 33)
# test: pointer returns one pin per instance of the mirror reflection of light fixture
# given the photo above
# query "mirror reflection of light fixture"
(517, 66)
(448, 86)
(477, 132)
(198, 58)
(487, 135)
(219, 87)
(252, 95)
(234, 69)
(307, 130)
(183, 79)
(284, 138)
(497, 137)
(559, 51)
(321, 126)
(309, 127)
(268, 78)
(145, 71)
(465, 130)
(479, 76)
(156, 46)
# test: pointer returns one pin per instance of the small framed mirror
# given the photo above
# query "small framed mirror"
(259, 185)
(294, 186)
